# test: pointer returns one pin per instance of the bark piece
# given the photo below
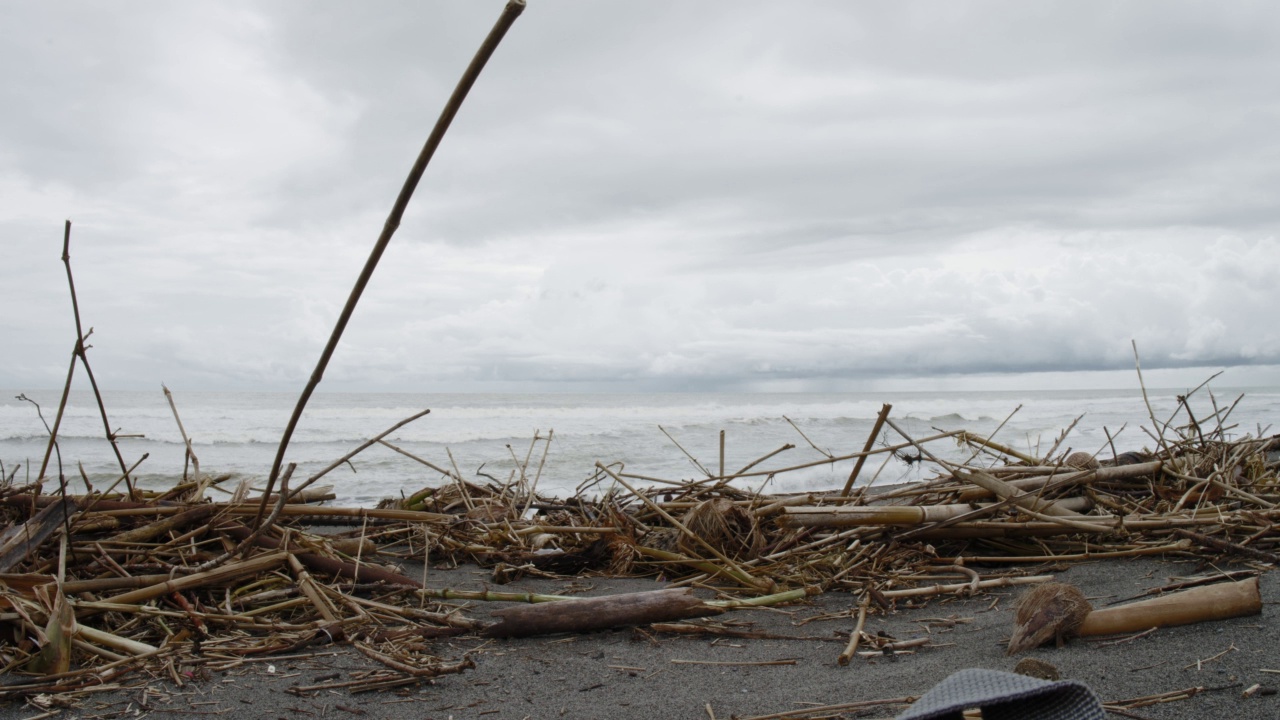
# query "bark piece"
(21, 541)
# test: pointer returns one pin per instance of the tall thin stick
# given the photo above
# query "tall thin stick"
(84, 360)
(490, 44)
(1155, 424)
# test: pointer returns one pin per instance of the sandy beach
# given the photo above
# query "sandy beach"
(633, 673)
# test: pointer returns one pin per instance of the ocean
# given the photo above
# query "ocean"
(237, 433)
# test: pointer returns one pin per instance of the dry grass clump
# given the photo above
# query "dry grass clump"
(724, 526)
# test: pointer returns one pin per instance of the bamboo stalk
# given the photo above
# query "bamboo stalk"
(133, 647)
(962, 587)
(904, 515)
(1200, 604)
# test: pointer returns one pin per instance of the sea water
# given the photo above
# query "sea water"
(669, 436)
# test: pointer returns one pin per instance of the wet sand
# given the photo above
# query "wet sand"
(628, 673)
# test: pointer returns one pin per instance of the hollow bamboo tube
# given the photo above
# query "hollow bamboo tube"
(1210, 602)
(133, 647)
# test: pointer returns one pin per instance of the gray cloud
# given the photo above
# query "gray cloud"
(656, 196)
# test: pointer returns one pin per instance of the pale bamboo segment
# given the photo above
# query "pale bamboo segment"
(1210, 602)
(908, 515)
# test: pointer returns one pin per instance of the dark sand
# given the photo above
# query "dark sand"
(624, 674)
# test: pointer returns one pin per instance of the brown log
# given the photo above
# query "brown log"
(1209, 602)
(598, 613)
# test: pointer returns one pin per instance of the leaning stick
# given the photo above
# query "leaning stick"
(1208, 602)
(195, 461)
(871, 440)
(508, 17)
(57, 419)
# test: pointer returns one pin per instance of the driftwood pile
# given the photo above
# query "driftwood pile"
(95, 586)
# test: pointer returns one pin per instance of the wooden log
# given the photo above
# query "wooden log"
(1208, 602)
(598, 613)
(21, 541)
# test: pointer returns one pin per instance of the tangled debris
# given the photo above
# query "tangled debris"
(96, 586)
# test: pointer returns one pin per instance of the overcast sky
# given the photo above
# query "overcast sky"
(644, 196)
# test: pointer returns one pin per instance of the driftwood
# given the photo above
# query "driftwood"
(909, 515)
(598, 613)
(1201, 604)
(20, 541)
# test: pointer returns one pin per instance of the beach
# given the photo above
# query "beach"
(633, 673)
(781, 660)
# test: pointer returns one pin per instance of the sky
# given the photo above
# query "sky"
(653, 196)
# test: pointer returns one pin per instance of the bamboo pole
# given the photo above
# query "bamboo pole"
(1200, 604)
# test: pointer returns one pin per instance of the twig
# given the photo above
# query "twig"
(856, 637)
(195, 461)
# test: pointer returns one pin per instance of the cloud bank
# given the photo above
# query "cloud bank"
(660, 197)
